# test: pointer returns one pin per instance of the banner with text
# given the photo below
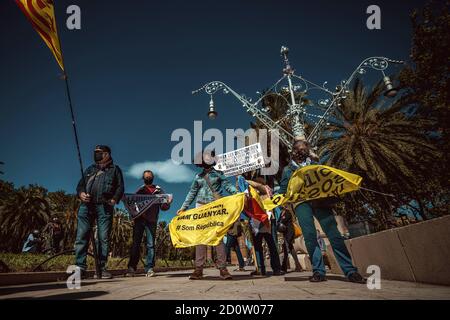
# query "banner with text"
(239, 161)
(207, 224)
(315, 182)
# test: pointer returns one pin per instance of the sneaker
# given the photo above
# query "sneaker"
(105, 275)
(150, 273)
(356, 278)
(240, 269)
(130, 272)
(197, 274)
(317, 277)
(225, 275)
(278, 273)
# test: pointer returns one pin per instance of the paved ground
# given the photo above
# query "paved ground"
(176, 285)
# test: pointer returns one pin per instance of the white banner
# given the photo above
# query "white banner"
(239, 161)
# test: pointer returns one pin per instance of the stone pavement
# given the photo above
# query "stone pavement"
(176, 285)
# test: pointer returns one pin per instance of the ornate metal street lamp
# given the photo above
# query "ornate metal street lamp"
(297, 110)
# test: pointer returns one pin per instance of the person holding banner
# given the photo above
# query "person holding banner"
(207, 187)
(321, 210)
(100, 191)
(146, 222)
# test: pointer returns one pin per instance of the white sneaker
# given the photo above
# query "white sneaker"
(150, 273)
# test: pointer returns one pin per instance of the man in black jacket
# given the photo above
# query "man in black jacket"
(101, 189)
(146, 222)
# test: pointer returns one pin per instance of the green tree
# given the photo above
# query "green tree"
(121, 234)
(65, 206)
(24, 210)
(377, 139)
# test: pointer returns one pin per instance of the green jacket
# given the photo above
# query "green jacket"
(202, 193)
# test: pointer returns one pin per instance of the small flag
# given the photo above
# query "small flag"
(41, 14)
(255, 207)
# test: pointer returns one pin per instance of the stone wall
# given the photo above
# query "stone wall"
(419, 252)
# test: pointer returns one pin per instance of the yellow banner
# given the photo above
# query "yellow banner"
(315, 182)
(41, 14)
(207, 224)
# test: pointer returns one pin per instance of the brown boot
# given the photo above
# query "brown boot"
(225, 275)
(197, 274)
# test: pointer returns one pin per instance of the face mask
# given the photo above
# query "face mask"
(300, 155)
(98, 156)
(148, 181)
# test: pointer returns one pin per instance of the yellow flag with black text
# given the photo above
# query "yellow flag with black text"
(315, 182)
(207, 224)
(41, 14)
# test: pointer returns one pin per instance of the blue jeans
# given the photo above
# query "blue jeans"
(305, 214)
(85, 221)
(232, 243)
(140, 226)
(273, 252)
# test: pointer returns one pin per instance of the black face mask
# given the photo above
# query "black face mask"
(98, 156)
(300, 155)
(148, 181)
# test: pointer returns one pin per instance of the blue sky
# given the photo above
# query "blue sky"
(133, 65)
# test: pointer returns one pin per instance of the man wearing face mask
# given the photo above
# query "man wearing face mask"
(321, 210)
(146, 222)
(101, 189)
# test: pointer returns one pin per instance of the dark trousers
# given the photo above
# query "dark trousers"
(273, 251)
(85, 222)
(233, 243)
(140, 226)
(273, 230)
(288, 248)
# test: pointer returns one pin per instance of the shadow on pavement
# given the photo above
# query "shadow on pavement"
(306, 278)
(178, 275)
(67, 296)
(47, 286)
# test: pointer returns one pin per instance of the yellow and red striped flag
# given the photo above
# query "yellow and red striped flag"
(41, 14)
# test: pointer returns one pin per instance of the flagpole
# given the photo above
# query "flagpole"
(77, 143)
(74, 126)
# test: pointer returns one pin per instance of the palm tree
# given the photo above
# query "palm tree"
(65, 206)
(378, 140)
(25, 210)
(276, 105)
(121, 234)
